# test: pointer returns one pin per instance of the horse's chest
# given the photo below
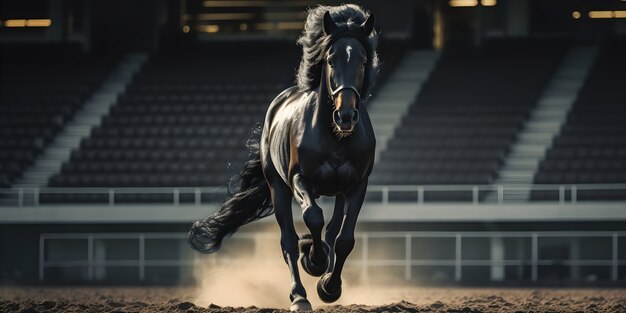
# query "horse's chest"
(333, 175)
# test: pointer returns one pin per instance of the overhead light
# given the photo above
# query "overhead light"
(209, 28)
(28, 23)
(488, 3)
(264, 26)
(290, 25)
(576, 15)
(224, 16)
(600, 14)
(463, 3)
(248, 3)
(607, 14)
(186, 29)
(285, 15)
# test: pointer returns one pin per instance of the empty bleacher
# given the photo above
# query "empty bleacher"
(468, 113)
(42, 87)
(390, 53)
(184, 120)
(591, 147)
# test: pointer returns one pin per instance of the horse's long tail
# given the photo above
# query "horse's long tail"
(251, 201)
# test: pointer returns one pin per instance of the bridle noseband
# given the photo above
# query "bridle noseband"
(334, 92)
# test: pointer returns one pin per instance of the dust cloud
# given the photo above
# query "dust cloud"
(250, 271)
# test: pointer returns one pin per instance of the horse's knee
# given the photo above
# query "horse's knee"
(344, 245)
(289, 239)
(289, 243)
(313, 217)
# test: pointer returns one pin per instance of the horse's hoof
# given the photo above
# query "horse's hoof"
(305, 243)
(323, 293)
(300, 304)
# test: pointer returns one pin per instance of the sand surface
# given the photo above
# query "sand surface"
(410, 299)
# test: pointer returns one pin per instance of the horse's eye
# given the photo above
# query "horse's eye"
(364, 64)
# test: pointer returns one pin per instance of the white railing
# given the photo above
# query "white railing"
(383, 194)
(21, 195)
(408, 260)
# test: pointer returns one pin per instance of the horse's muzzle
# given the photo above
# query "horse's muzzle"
(346, 119)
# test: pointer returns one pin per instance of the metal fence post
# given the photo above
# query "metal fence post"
(475, 195)
(176, 196)
(142, 257)
(534, 257)
(420, 195)
(42, 258)
(197, 197)
(111, 197)
(574, 195)
(385, 196)
(90, 265)
(500, 194)
(364, 253)
(457, 258)
(20, 197)
(407, 256)
(614, 258)
(561, 194)
(36, 196)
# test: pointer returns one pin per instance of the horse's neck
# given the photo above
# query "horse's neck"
(323, 108)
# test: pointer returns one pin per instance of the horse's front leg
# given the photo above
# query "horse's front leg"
(329, 286)
(313, 251)
(332, 229)
(281, 198)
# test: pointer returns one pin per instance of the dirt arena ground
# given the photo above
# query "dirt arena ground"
(261, 284)
(389, 300)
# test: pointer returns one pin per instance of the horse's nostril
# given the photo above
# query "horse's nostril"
(337, 117)
(355, 116)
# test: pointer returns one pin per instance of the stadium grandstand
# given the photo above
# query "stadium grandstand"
(500, 125)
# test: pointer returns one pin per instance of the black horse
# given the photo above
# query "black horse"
(317, 140)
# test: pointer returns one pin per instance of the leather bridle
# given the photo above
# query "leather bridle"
(334, 92)
(344, 31)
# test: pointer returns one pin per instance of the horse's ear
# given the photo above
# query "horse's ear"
(329, 24)
(368, 26)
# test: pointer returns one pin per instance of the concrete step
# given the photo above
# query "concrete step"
(414, 74)
(399, 92)
(67, 142)
(85, 119)
(543, 125)
(528, 148)
(534, 136)
(515, 174)
(519, 166)
(385, 128)
(549, 113)
(534, 141)
(383, 121)
(390, 104)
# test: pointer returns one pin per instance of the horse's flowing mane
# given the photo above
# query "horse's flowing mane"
(314, 44)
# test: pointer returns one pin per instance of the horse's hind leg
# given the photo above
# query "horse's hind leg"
(329, 286)
(281, 197)
(313, 251)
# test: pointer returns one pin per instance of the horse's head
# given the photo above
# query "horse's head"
(346, 62)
